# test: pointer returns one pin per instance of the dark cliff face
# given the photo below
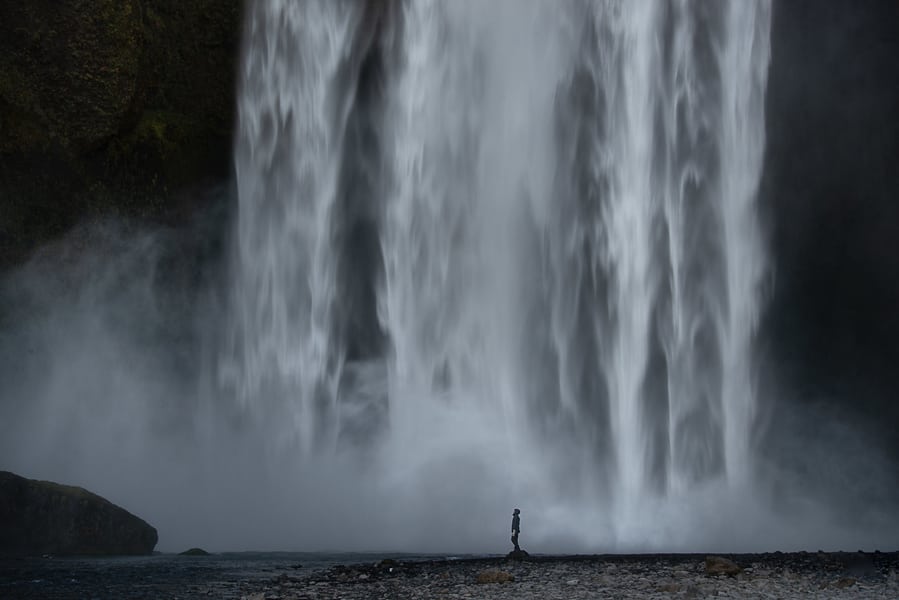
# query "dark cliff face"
(40, 517)
(110, 107)
(70, 75)
(831, 195)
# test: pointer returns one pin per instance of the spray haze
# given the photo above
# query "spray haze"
(484, 255)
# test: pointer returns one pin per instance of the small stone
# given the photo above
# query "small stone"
(844, 583)
(718, 565)
(494, 577)
(572, 582)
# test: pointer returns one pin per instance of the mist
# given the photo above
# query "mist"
(106, 386)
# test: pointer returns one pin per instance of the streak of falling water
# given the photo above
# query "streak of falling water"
(297, 87)
(505, 249)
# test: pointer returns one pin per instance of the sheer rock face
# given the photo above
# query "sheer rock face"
(69, 71)
(76, 75)
(41, 517)
(110, 107)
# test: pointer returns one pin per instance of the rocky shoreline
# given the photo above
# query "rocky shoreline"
(775, 575)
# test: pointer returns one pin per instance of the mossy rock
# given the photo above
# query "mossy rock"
(164, 145)
(718, 565)
(110, 107)
(68, 72)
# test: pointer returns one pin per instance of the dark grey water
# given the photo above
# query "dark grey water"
(225, 575)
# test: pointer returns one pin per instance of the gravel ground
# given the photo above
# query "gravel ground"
(278, 577)
(801, 575)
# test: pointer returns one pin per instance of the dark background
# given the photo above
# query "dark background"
(830, 195)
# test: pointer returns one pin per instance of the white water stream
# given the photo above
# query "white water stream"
(501, 253)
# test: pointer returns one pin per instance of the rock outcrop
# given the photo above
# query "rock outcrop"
(718, 565)
(494, 576)
(41, 517)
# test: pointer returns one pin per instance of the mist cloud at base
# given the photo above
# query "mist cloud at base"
(106, 344)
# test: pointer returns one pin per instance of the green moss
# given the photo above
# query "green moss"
(168, 148)
(164, 131)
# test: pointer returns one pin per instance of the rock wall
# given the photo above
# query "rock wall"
(110, 106)
(40, 517)
(830, 192)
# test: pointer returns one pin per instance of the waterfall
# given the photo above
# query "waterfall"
(506, 252)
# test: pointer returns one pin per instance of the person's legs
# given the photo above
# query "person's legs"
(515, 542)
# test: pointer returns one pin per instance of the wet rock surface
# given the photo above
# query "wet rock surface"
(772, 575)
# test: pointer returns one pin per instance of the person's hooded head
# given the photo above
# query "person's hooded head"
(516, 511)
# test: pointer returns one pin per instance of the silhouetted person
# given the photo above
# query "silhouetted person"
(516, 528)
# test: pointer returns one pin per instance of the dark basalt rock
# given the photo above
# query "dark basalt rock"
(517, 555)
(40, 517)
(194, 552)
(110, 107)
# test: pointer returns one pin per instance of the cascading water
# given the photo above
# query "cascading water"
(499, 253)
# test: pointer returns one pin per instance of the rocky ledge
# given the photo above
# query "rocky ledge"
(41, 517)
(775, 575)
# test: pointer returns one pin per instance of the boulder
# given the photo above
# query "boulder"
(718, 565)
(517, 555)
(194, 552)
(493, 576)
(844, 583)
(41, 517)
